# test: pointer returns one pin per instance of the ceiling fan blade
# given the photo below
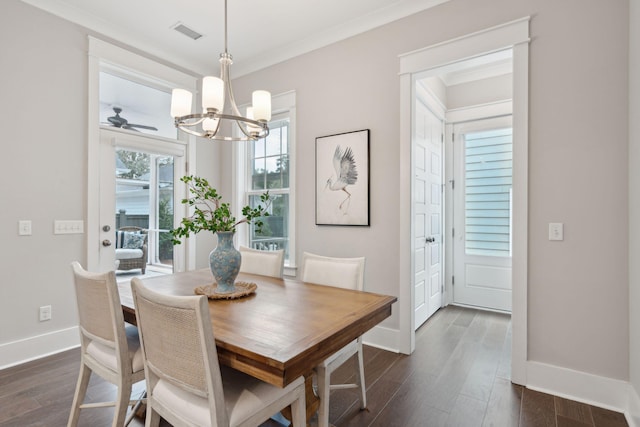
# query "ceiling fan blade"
(117, 121)
(129, 125)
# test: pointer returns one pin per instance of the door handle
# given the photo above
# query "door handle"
(430, 239)
(106, 242)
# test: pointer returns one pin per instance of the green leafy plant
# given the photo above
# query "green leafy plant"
(213, 215)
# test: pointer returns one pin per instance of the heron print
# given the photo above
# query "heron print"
(342, 179)
(346, 173)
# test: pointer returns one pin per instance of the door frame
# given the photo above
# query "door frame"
(113, 139)
(515, 35)
(100, 54)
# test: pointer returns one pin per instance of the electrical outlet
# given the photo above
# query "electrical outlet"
(45, 313)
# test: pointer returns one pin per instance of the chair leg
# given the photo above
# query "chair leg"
(135, 409)
(122, 404)
(153, 418)
(78, 397)
(298, 411)
(324, 383)
(360, 377)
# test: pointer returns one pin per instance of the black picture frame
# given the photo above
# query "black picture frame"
(342, 179)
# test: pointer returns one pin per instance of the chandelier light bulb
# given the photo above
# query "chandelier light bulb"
(250, 116)
(210, 125)
(262, 105)
(212, 93)
(180, 102)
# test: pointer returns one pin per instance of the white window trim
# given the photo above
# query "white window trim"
(284, 103)
(105, 56)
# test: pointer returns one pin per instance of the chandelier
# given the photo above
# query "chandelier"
(252, 126)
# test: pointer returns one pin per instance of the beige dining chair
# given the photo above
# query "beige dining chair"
(108, 348)
(265, 263)
(343, 273)
(185, 383)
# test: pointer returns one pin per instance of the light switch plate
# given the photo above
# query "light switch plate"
(556, 231)
(24, 228)
(68, 227)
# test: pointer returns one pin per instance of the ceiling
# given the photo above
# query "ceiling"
(260, 33)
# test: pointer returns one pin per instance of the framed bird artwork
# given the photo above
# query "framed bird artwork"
(342, 179)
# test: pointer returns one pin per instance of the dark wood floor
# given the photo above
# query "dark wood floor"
(457, 376)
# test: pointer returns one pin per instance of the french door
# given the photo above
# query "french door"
(137, 177)
(482, 229)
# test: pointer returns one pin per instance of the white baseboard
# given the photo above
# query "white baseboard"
(632, 414)
(582, 387)
(383, 338)
(18, 352)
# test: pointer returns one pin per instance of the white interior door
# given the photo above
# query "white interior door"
(482, 213)
(146, 198)
(427, 212)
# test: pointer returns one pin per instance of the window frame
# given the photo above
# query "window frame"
(283, 107)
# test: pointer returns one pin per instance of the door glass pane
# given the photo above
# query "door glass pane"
(132, 189)
(488, 179)
(145, 199)
(164, 181)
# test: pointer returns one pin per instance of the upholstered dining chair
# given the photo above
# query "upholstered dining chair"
(343, 273)
(108, 348)
(185, 383)
(265, 263)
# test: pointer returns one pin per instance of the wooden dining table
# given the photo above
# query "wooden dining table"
(281, 331)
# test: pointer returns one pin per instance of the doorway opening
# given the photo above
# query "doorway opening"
(429, 63)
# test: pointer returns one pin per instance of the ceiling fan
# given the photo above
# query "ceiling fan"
(121, 122)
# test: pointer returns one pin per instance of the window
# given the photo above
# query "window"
(268, 160)
(268, 165)
(134, 105)
(488, 179)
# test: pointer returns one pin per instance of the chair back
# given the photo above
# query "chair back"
(345, 273)
(120, 234)
(100, 312)
(178, 346)
(265, 263)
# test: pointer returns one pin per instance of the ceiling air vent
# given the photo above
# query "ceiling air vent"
(181, 28)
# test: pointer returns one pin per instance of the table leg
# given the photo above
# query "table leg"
(312, 401)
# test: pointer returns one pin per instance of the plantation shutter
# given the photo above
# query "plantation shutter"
(488, 180)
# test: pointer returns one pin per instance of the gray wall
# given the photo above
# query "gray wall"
(43, 64)
(578, 315)
(634, 199)
(578, 308)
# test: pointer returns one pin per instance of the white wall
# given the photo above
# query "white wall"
(578, 310)
(478, 92)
